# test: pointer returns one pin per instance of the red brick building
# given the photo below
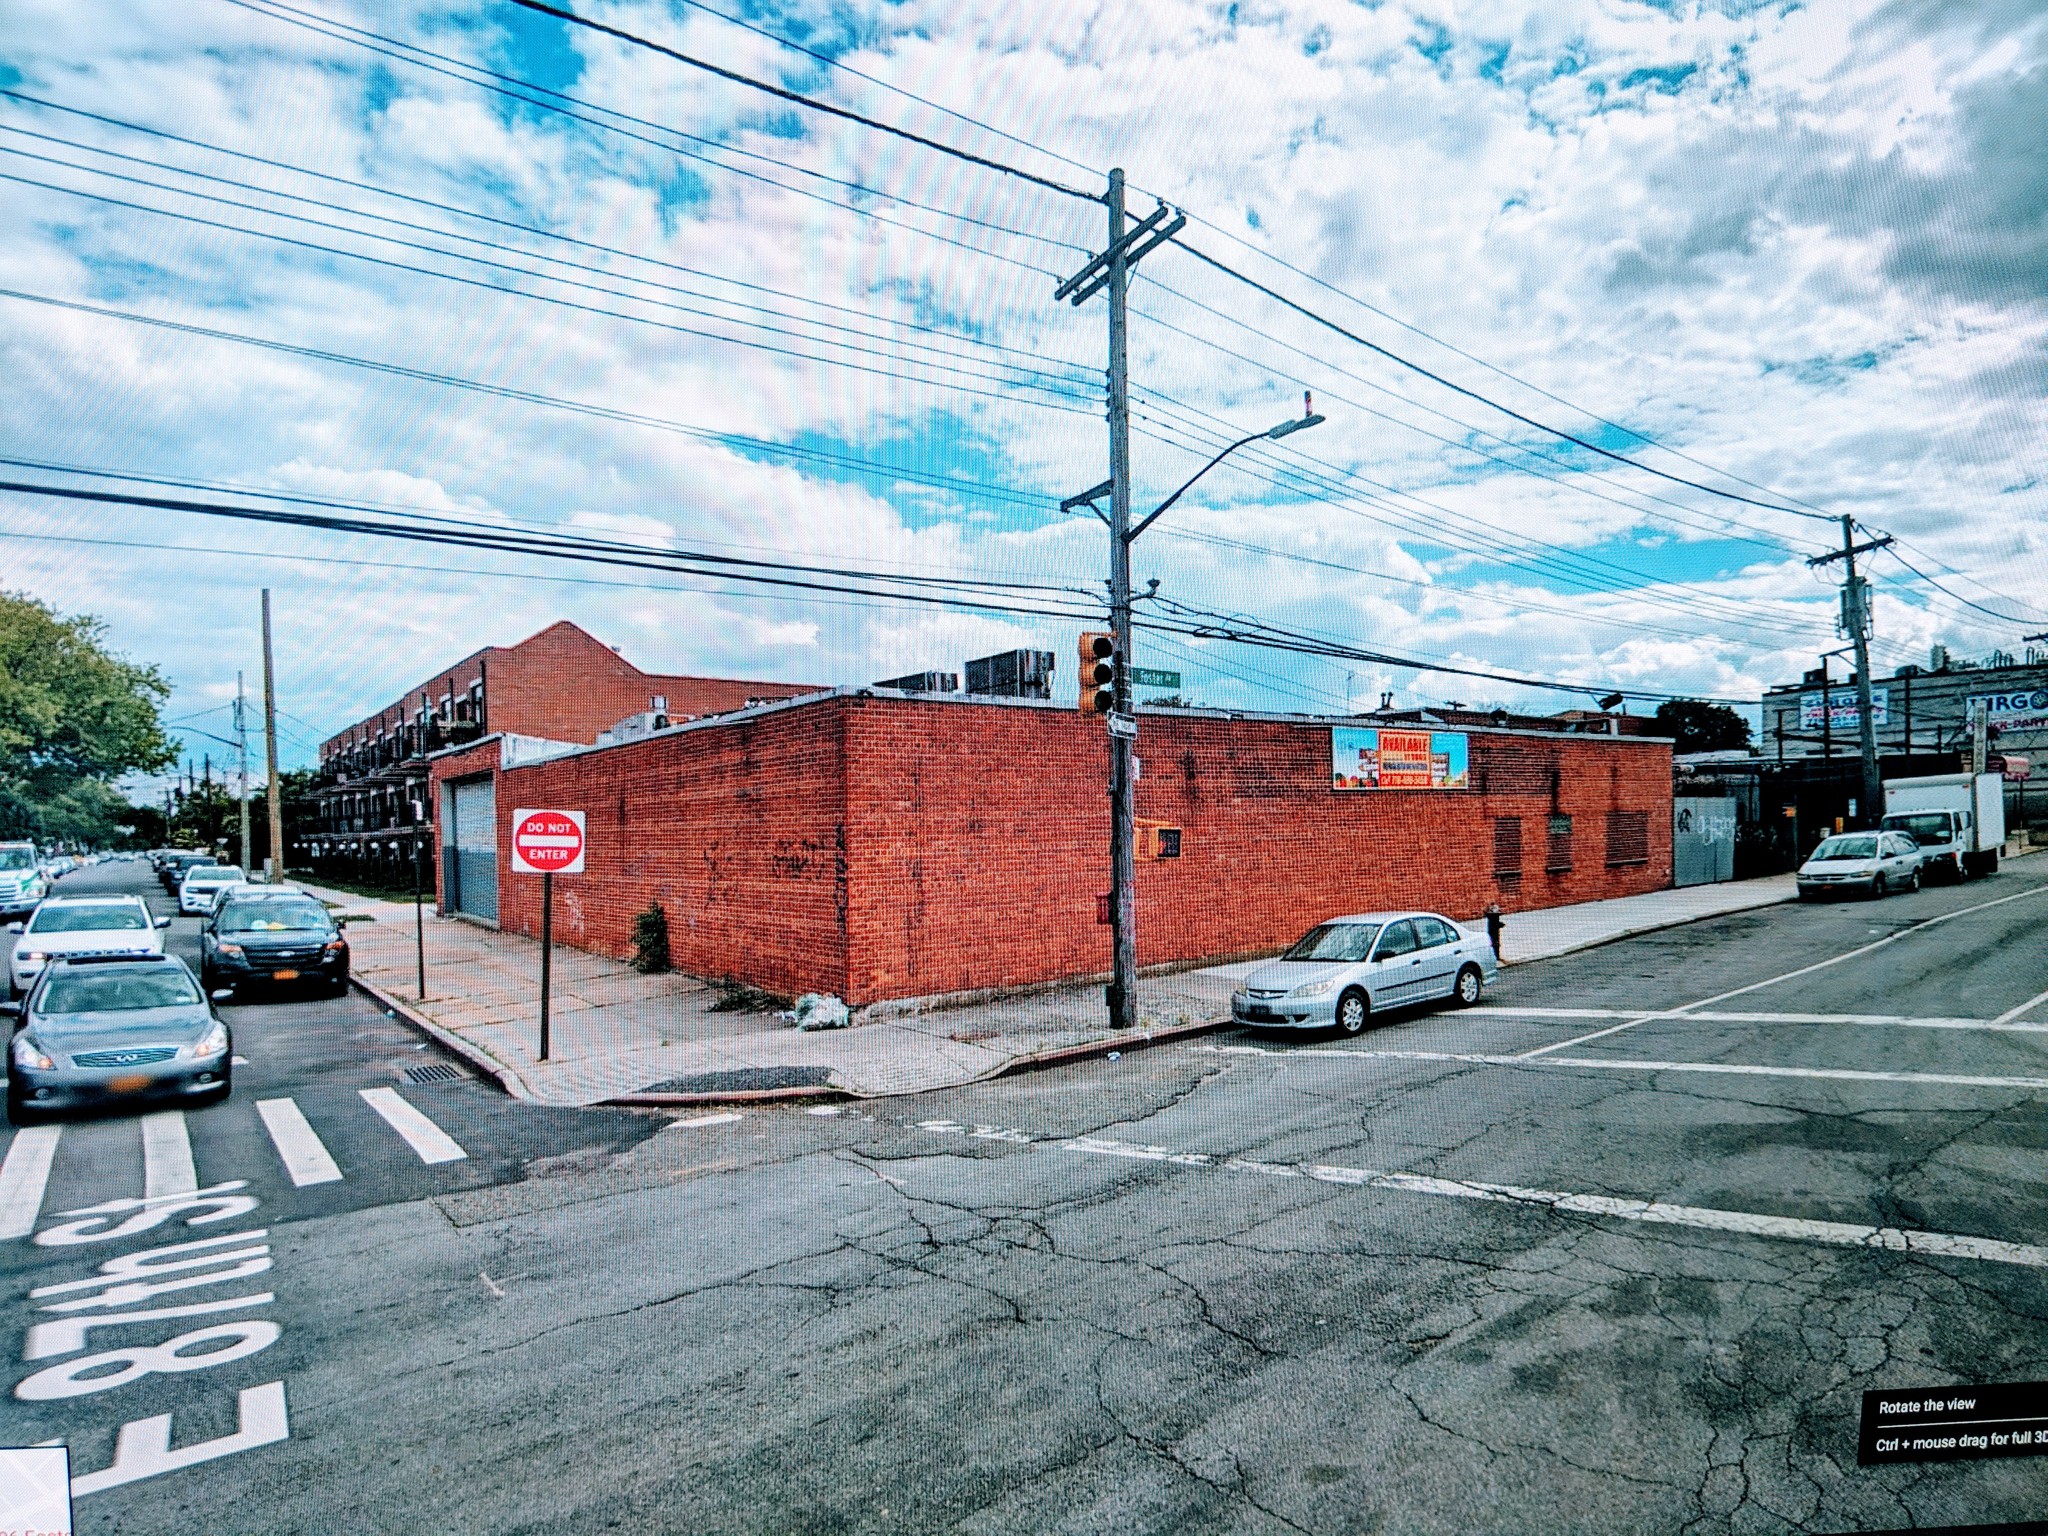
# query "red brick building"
(875, 845)
(559, 685)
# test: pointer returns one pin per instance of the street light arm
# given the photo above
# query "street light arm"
(1157, 511)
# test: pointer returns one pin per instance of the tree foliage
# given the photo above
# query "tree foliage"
(1694, 725)
(74, 717)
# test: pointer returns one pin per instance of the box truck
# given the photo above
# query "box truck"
(1958, 819)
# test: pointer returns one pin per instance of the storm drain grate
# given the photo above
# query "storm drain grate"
(434, 1072)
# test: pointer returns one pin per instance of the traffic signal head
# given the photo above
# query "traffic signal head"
(1098, 672)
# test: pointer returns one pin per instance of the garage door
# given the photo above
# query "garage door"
(470, 857)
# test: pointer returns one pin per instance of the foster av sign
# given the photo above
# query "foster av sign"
(547, 842)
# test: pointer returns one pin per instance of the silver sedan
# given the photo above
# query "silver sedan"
(1347, 969)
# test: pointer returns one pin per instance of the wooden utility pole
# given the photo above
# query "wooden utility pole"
(273, 792)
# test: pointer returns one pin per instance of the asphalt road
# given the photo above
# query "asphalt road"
(1618, 1251)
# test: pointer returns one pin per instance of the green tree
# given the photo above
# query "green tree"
(74, 717)
(1694, 725)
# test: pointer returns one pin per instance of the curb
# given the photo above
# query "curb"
(482, 1060)
(729, 1096)
(1657, 927)
(1134, 1040)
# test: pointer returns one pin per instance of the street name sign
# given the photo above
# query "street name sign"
(547, 842)
(1150, 677)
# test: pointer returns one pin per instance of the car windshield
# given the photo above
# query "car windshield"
(111, 915)
(118, 989)
(273, 916)
(1847, 848)
(212, 874)
(1335, 941)
(1926, 828)
(17, 858)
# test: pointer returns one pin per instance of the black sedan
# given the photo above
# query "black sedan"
(100, 1032)
(273, 937)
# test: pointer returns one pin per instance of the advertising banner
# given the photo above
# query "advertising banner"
(1842, 712)
(2023, 710)
(1370, 757)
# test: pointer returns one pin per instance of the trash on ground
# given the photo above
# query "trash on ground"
(819, 1010)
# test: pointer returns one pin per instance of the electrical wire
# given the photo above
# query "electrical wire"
(1530, 421)
(799, 99)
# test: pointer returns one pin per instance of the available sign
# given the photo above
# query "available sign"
(1368, 757)
(1842, 713)
(547, 842)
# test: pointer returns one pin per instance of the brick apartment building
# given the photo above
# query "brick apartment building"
(875, 844)
(560, 687)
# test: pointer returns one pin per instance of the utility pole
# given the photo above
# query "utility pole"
(1856, 625)
(242, 795)
(274, 796)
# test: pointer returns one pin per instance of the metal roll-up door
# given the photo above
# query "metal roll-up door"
(470, 864)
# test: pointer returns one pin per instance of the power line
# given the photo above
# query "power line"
(460, 211)
(1473, 394)
(799, 99)
(547, 100)
(542, 298)
(2003, 618)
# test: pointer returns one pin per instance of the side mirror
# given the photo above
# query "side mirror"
(10, 1011)
(14, 927)
(222, 994)
(163, 922)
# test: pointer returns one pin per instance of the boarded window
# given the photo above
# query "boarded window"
(1559, 858)
(1507, 847)
(1628, 837)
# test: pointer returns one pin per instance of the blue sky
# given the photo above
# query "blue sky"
(1792, 252)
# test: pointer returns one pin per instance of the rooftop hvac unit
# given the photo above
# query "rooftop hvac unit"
(923, 682)
(1012, 675)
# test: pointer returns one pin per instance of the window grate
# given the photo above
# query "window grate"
(1628, 838)
(1507, 847)
(1558, 860)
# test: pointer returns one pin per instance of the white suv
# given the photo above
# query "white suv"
(200, 884)
(82, 928)
(21, 879)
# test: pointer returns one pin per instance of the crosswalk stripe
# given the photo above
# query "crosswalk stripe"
(433, 1144)
(305, 1158)
(23, 1178)
(167, 1155)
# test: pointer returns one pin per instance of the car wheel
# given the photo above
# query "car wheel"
(1470, 985)
(1878, 889)
(19, 1113)
(1352, 1011)
(1914, 883)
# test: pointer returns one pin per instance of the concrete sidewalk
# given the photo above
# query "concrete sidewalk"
(620, 1036)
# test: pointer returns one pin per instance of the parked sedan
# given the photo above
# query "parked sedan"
(1870, 863)
(273, 936)
(201, 883)
(1345, 970)
(81, 928)
(97, 1032)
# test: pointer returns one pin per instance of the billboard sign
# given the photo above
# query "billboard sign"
(1842, 713)
(1372, 757)
(2023, 710)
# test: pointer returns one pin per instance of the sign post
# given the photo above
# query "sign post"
(547, 843)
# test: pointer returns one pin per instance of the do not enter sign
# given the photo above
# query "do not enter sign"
(547, 842)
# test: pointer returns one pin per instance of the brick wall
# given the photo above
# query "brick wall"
(736, 829)
(566, 685)
(888, 848)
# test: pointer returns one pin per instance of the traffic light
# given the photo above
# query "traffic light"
(1098, 672)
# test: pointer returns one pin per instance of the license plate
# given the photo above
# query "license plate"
(134, 1083)
(284, 975)
(1258, 1012)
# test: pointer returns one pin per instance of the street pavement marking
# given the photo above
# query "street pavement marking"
(724, 1119)
(167, 1155)
(304, 1156)
(1685, 1009)
(1896, 1020)
(2027, 1007)
(433, 1144)
(1623, 1064)
(24, 1177)
(1707, 1218)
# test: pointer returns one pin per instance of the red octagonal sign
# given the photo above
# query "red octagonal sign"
(547, 842)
